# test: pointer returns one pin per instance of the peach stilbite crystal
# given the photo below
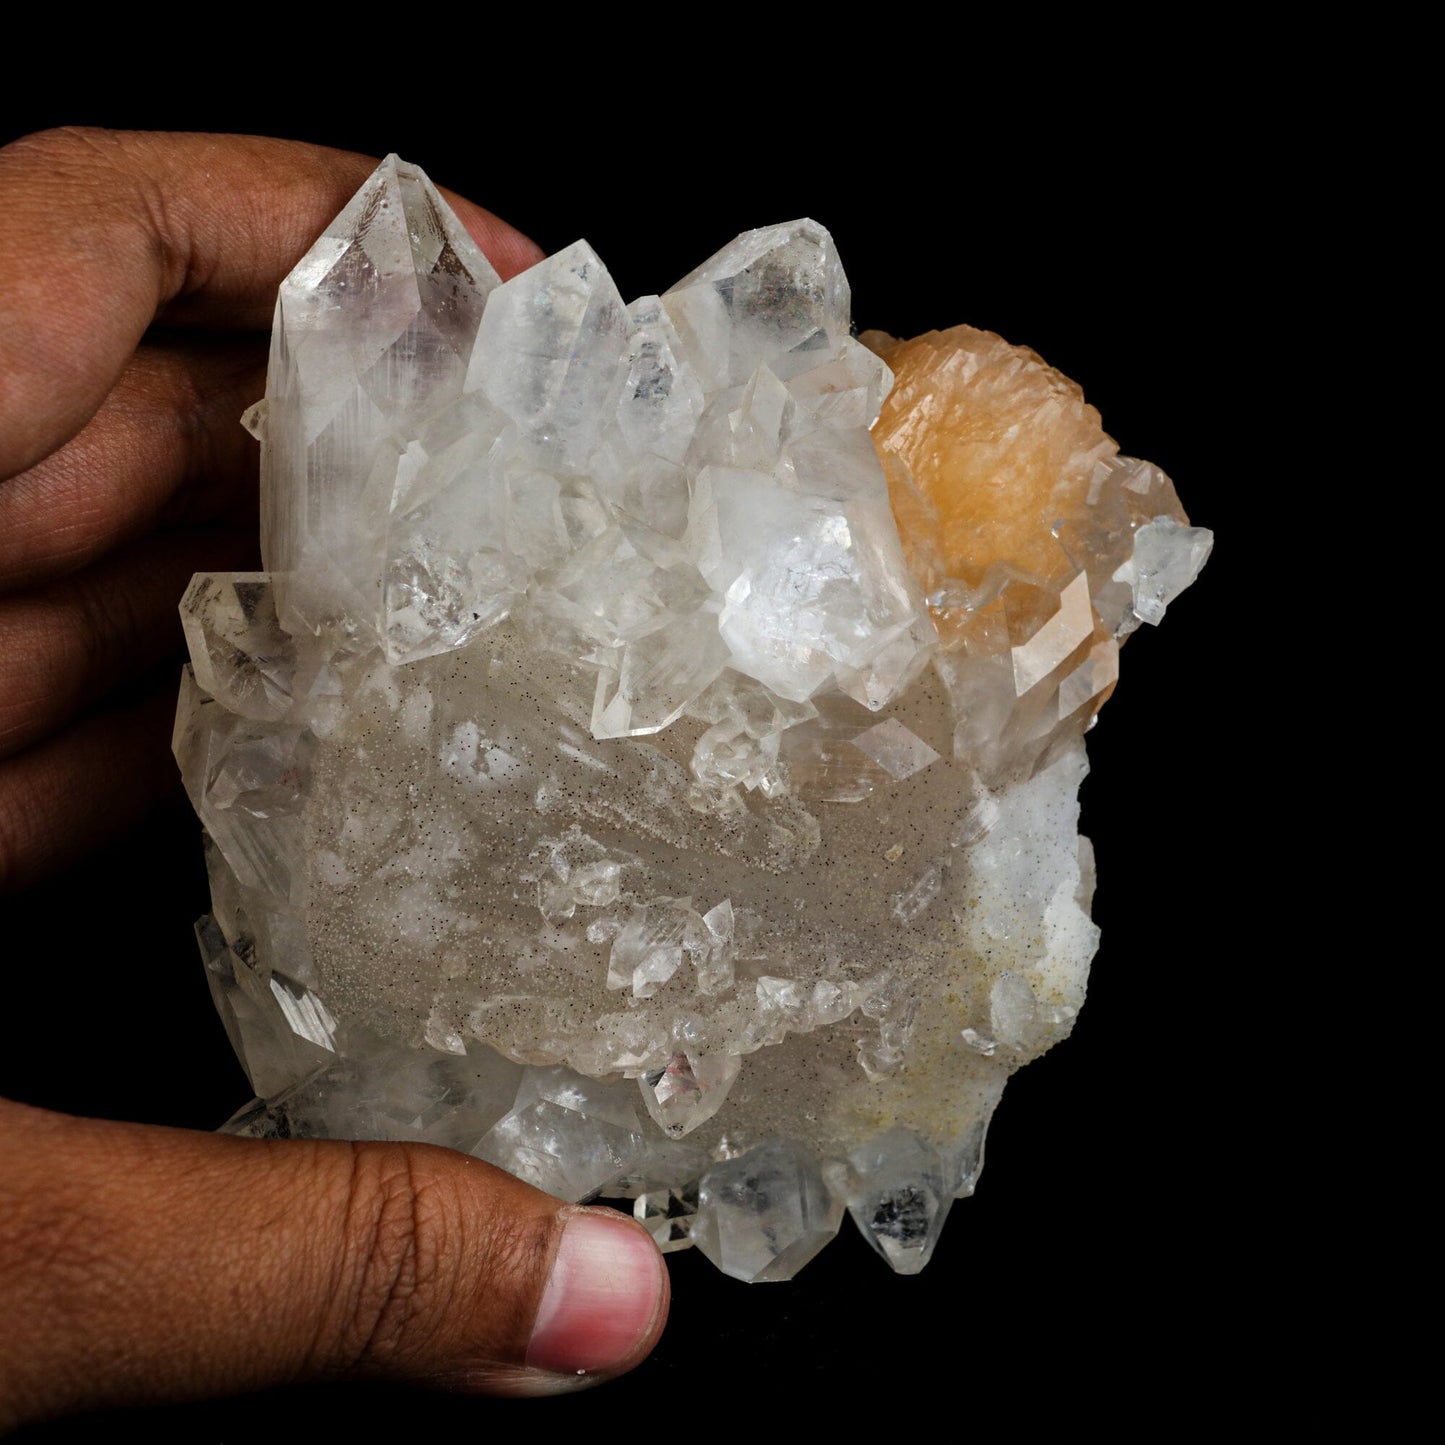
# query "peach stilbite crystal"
(998, 442)
(1018, 516)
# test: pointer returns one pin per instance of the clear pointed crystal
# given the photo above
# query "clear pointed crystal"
(569, 1135)
(374, 329)
(551, 355)
(826, 598)
(776, 296)
(249, 782)
(448, 574)
(668, 1214)
(764, 1215)
(241, 656)
(1166, 558)
(901, 1197)
(281, 1032)
(688, 1090)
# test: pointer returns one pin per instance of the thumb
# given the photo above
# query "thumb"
(147, 1265)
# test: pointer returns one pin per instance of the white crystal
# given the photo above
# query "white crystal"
(1166, 559)
(764, 1215)
(374, 329)
(809, 583)
(241, 656)
(650, 946)
(688, 1090)
(1069, 627)
(248, 781)
(448, 573)
(776, 296)
(568, 1135)
(550, 355)
(897, 751)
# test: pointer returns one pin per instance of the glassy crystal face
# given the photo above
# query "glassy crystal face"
(644, 765)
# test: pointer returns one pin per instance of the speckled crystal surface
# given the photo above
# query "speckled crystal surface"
(642, 765)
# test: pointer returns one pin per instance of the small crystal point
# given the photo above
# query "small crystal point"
(282, 1034)
(899, 752)
(775, 295)
(240, 654)
(1166, 558)
(764, 1215)
(551, 354)
(662, 397)
(688, 1090)
(567, 1134)
(901, 1198)
(248, 781)
(668, 1215)
(448, 574)
(807, 588)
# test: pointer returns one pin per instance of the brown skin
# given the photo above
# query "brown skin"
(137, 279)
(144, 1265)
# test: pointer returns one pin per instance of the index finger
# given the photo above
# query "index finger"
(104, 232)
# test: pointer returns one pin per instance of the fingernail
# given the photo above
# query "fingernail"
(602, 1300)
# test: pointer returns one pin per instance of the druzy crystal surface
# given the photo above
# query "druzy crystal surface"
(643, 765)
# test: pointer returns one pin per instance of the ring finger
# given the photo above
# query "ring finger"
(166, 446)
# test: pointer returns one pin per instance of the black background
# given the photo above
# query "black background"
(1115, 1243)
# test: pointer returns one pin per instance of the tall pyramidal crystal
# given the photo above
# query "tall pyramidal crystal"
(650, 759)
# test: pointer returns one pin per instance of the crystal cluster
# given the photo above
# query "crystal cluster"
(642, 765)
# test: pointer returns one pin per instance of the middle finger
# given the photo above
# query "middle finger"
(65, 646)
(166, 446)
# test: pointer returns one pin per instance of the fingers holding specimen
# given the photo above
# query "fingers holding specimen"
(103, 231)
(455, 1280)
(172, 1265)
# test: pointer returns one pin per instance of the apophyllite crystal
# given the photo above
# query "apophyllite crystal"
(607, 779)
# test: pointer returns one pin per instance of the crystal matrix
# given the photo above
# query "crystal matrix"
(638, 769)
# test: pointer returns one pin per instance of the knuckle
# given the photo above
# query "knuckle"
(108, 167)
(438, 1269)
(69, 153)
(64, 142)
(402, 1229)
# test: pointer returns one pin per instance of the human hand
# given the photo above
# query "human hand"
(137, 277)
(148, 1265)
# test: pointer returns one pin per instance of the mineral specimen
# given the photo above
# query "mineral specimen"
(607, 779)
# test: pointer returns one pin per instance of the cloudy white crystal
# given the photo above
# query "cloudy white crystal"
(374, 331)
